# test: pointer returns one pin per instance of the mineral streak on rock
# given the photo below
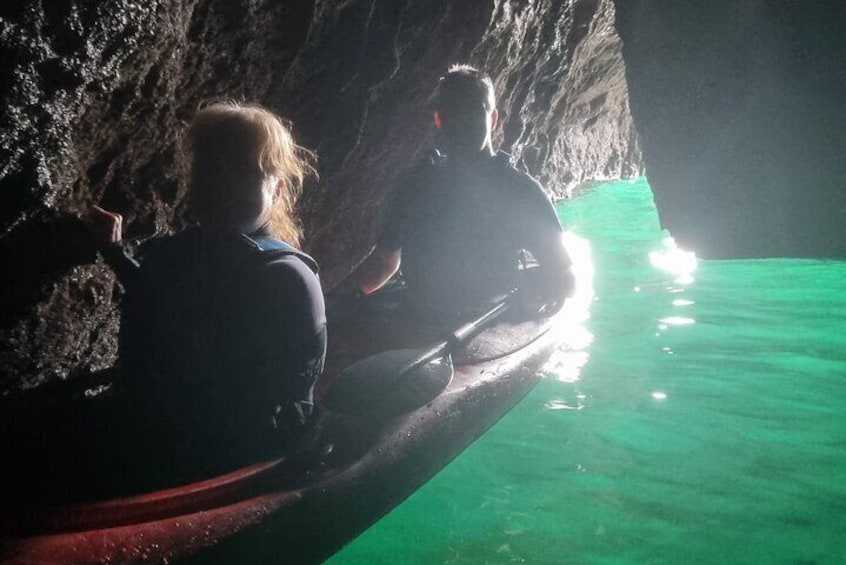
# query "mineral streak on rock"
(95, 95)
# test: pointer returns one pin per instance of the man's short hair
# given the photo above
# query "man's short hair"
(463, 85)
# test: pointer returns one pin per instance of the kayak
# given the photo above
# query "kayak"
(303, 508)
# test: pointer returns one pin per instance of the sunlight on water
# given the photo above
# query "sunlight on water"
(674, 321)
(672, 259)
(577, 307)
(706, 424)
(566, 363)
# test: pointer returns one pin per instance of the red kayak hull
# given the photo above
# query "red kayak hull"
(260, 515)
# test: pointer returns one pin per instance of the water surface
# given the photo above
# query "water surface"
(707, 425)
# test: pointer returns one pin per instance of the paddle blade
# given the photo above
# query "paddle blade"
(382, 386)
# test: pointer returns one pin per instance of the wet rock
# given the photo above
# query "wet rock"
(739, 106)
(95, 95)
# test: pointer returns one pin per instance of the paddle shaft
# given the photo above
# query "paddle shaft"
(397, 381)
(458, 336)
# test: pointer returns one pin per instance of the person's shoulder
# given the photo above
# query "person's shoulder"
(425, 165)
(520, 180)
(413, 186)
(268, 249)
(430, 159)
(168, 248)
(530, 191)
(290, 284)
(507, 166)
(292, 270)
(285, 291)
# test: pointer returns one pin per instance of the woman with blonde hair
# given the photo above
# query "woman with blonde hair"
(223, 329)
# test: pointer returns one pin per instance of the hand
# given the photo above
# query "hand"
(535, 296)
(106, 227)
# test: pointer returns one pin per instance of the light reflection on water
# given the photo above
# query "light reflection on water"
(566, 363)
(675, 321)
(673, 259)
(715, 442)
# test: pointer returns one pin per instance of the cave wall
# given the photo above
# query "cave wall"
(96, 95)
(740, 110)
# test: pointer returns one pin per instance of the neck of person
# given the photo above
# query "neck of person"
(473, 155)
(257, 226)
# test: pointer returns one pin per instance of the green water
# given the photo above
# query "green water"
(706, 426)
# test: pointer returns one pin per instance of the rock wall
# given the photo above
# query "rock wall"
(96, 95)
(740, 109)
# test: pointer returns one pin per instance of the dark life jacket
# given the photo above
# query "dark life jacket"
(222, 340)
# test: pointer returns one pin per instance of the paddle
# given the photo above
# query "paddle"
(396, 381)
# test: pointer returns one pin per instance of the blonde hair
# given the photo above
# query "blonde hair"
(234, 149)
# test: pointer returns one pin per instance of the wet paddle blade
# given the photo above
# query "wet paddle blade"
(383, 384)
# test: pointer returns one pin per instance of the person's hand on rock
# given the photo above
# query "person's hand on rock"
(106, 227)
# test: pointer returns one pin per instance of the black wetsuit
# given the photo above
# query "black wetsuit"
(463, 230)
(222, 339)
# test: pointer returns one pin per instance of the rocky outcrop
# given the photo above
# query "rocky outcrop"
(562, 85)
(739, 106)
(95, 96)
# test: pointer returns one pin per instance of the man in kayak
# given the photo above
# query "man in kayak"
(465, 225)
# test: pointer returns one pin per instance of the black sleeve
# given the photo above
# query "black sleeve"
(295, 328)
(121, 258)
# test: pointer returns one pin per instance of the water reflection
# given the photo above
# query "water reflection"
(659, 477)
(676, 321)
(682, 264)
(674, 260)
(567, 362)
(561, 404)
(577, 307)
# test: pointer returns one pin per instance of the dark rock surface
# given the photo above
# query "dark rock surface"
(95, 95)
(741, 115)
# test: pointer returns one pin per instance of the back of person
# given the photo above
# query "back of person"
(221, 344)
(462, 228)
(458, 228)
(223, 329)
